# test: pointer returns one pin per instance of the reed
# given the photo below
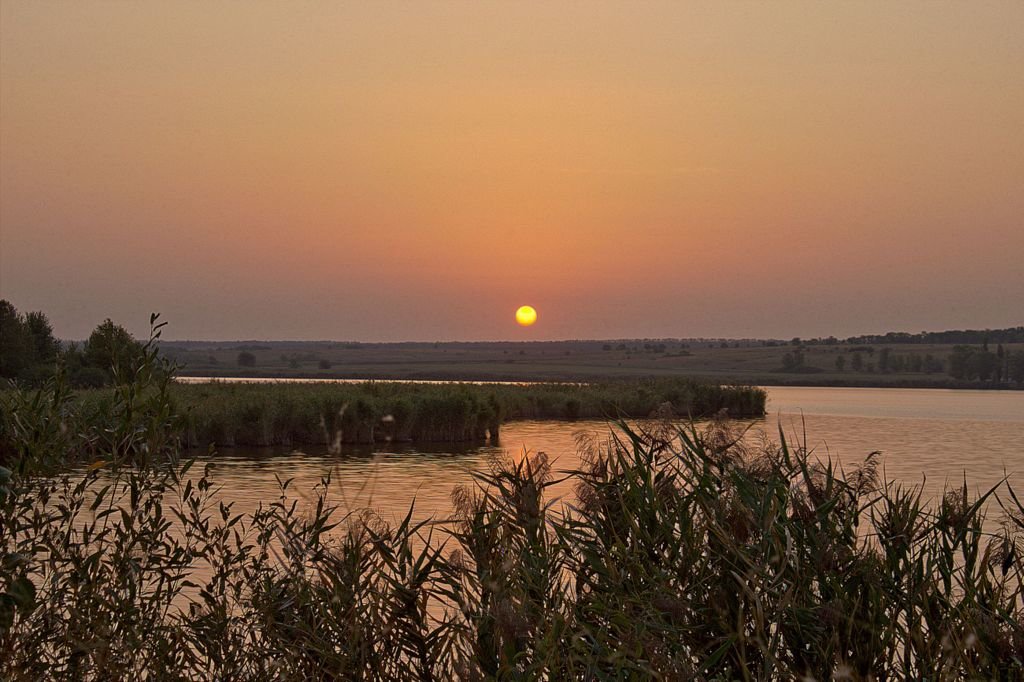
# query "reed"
(304, 414)
(227, 415)
(685, 554)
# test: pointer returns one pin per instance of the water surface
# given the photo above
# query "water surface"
(926, 436)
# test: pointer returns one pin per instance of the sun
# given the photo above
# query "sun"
(526, 316)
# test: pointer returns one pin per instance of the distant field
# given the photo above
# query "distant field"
(745, 362)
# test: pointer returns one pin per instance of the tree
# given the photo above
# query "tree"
(840, 363)
(111, 348)
(792, 362)
(883, 360)
(931, 364)
(39, 328)
(17, 352)
(898, 363)
(915, 363)
(246, 359)
(857, 363)
(1016, 366)
(958, 362)
(982, 365)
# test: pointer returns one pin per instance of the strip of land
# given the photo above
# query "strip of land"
(766, 363)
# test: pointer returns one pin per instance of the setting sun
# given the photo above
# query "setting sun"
(526, 315)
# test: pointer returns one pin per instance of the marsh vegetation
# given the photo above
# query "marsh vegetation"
(303, 414)
(685, 554)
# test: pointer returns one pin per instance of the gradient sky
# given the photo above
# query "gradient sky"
(416, 171)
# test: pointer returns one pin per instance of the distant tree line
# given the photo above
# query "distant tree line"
(979, 363)
(887, 362)
(949, 337)
(635, 348)
(966, 363)
(29, 352)
(954, 336)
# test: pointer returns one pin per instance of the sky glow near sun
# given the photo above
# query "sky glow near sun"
(406, 172)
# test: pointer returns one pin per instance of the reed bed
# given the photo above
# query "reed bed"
(684, 555)
(229, 415)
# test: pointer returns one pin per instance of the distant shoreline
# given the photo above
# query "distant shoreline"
(519, 379)
(866, 365)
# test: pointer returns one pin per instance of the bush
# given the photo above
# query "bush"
(246, 359)
(111, 348)
(89, 377)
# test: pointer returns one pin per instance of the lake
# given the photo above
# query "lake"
(926, 436)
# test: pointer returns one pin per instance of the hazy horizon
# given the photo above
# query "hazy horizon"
(396, 172)
(285, 340)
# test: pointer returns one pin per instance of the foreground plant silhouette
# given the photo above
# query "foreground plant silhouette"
(685, 554)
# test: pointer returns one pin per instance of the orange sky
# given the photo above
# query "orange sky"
(416, 171)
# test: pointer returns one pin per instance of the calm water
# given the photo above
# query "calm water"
(929, 436)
